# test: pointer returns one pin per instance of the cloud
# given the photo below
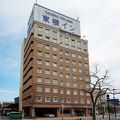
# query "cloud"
(14, 16)
(2, 91)
(8, 95)
(8, 66)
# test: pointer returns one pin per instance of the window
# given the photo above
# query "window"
(67, 83)
(79, 43)
(68, 92)
(86, 65)
(81, 93)
(54, 65)
(54, 40)
(47, 55)
(60, 43)
(75, 100)
(73, 46)
(47, 99)
(47, 89)
(67, 76)
(73, 41)
(39, 61)
(54, 34)
(39, 79)
(47, 38)
(39, 88)
(86, 72)
(60, 52)
(61, 82)
(54, 72)
(55, 81)
(55, 99)
(67, 53)
(66, 45)
(47, 80)
(68, 100)
(87, 78)
(61, 66)
(85, 58)
(73, 55)
(61, 91)
(39, 53)
(80, 77)
(40, 45)
(54, 49)
(54, 57)
(75, 92)
(67, 60)
(79, 49)
(39, 36)
(47, 47)
(67, 67)
(38, 98)
(55, 90)
(85, 50)
(73, 69)
(75, 84)
(47, 63)
(47, 71)
(61, 74)
(82, 101)
(80, 64)
(79, 56)
(87, 94)
(40, 30)
(66, 40)
(88, 101)
(80, 71)
(74, 77)
(47, 32)
(73, 62)
(39, 70)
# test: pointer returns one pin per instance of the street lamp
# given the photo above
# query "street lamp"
(114, 102)
(108, 97)
(62, 110)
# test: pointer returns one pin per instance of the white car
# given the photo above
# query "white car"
(49, 115)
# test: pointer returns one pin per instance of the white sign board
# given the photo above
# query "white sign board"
(55, 19)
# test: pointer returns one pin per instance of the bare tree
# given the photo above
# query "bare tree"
(99, 85)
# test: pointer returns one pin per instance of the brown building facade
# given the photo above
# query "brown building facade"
(54, 66)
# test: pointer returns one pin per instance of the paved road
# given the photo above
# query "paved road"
(65, 118)
(3, 118)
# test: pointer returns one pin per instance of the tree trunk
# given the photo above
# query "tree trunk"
(94, 112)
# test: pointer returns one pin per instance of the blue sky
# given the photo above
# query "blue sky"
(10, 65)
(100, 23)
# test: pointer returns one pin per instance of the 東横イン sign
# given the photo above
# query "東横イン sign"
(52, 18)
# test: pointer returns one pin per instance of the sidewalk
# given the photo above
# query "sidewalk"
(65, 118)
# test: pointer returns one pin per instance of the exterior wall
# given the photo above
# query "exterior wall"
(55, 66)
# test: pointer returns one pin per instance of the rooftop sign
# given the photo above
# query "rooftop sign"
(52, 18)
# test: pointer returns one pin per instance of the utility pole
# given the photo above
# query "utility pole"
(108, 105)
(114, 102)
(62, 111)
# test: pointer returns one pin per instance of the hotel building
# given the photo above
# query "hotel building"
(54, 66)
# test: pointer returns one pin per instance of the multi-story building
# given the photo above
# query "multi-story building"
(54, 65)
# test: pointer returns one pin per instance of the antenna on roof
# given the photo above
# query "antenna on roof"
(77, 18)
(36, 1)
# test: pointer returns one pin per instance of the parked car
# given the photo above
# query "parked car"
(15, 115)
(49, 115)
